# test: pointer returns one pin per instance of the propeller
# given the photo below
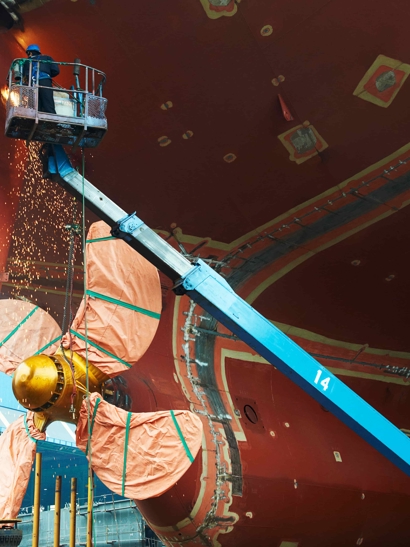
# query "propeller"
(25, 330)
(136, 455)
(17, 453)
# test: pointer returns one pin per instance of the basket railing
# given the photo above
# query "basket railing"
(80, 93)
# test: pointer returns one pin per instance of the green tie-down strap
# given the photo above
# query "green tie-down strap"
(183, 441)
(18, 326)
(88, 341)
(27, 430)
(108, 238)
(123, 304)
(127, 436)
(97, 402)
(48, 345)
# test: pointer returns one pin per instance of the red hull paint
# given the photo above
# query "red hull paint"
(267, 474)
(11, 178)
(293, 487)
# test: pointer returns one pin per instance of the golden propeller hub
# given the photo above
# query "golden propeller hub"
(35, 381)
(54, 387)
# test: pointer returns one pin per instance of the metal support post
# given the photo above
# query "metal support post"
(73, 510)
(57, 512)
(36, 508)
(90, 511)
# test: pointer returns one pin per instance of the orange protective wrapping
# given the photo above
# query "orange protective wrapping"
(17, 452)
(24, 329)
(151, 447)
(116, 271)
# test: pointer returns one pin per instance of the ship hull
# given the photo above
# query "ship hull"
(271, 140)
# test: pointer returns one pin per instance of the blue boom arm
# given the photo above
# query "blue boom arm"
(207, 288)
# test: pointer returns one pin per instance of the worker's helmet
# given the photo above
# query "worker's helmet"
(34, 48)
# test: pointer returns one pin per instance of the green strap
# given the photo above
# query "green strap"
(123, 304)
(183, 441)
(18, 326)
(88, 341)
(27, 430)
(101, 239)
(48, 345)
(127, 435)
(97, 402)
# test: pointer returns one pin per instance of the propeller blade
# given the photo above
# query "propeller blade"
(25, 329)
(142, 455)
(17, 453)
(123, 304)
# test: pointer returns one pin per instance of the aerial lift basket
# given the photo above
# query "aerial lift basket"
(80, 107)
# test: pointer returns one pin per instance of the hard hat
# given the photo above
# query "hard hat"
(33, 48)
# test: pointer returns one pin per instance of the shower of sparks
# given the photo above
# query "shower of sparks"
(40, 241)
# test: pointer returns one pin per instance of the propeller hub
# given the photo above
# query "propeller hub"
(35, 381)
(54, 387)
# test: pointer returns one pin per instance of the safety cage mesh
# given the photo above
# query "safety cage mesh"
(21, 96)
(96, 107)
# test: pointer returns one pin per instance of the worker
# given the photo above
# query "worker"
(47, 71)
